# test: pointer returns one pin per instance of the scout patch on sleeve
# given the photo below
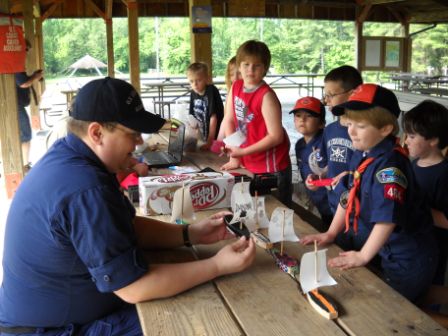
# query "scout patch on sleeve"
(394, 192)
(343, 200)
(392, 175)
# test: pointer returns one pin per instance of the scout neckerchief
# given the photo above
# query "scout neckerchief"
(353, 204)
(353, 200)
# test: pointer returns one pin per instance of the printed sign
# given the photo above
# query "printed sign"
(12, 45)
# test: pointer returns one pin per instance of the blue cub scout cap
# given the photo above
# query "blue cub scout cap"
(114, 100)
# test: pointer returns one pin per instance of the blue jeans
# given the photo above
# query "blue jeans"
(120, 323)
(24, 125)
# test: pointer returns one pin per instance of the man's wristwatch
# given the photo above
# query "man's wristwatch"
(186, 236)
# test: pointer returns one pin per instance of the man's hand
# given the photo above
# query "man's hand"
(235, 257)
(210, 230)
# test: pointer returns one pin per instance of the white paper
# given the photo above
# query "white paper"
(182, 205)
(240, 198)
(236, 139)
(260, 212)
(281, 226)
(308, 280)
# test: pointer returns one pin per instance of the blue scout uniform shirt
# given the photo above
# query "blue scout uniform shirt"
(336, 150)
(69, 242)
(389, 193)
(303, 152)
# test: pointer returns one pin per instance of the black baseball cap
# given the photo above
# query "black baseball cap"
(114, 100)
(311, 105)
(366, 96)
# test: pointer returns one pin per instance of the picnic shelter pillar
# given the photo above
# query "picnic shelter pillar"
(9, 127)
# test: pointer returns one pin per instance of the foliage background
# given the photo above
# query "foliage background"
(297, 46)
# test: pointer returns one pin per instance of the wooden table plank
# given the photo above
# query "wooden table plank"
(367, 305)
(199, 311)
(267, 301)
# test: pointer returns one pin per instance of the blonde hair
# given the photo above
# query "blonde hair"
(232, 62)
(376, 116)
(198, 67)
(254, 48)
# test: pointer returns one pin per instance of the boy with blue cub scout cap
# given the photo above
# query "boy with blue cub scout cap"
(309, 120)
(383, 201)
(73, 261)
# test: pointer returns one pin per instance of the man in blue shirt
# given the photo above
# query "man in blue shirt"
(24, 84)
(72, 256)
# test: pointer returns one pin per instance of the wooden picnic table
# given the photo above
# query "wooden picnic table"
(263, 300)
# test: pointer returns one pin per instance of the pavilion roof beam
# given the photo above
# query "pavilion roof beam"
(95, 8)
(51, 10)
(378, 2)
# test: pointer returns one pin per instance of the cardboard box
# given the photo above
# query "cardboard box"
(208, 191)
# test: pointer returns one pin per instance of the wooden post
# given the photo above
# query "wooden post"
(39, 48)
(31, 59)
(134, 61)
(407, 49)
(362, 16)
(9, 128)
(110, 40)
(201, 43)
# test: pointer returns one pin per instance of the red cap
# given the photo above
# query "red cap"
(311, 105)
(367, 96)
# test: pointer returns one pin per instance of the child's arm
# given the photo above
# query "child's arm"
(229, 127)
(337, 225)
(377, 238)
(211, 132)
(439, 219)
(272, 115)
(228, 124)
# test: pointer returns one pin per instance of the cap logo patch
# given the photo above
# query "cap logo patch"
(364, 93)
(392, 175)
(131, 97)
(306, 101)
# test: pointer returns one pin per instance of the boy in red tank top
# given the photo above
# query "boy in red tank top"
(256, 113)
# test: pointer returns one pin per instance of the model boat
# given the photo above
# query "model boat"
(313, 275)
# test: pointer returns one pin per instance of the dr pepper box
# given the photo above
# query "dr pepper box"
(208, 191)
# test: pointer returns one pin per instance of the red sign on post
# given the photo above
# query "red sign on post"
(12, 44)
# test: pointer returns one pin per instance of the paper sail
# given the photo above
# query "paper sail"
(235, 139)
(240, 198)
(246, 217)
(312, 276)
(260, 214)
(281, 226)
(182, 210)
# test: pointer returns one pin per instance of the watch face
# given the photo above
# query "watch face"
(238, 228)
